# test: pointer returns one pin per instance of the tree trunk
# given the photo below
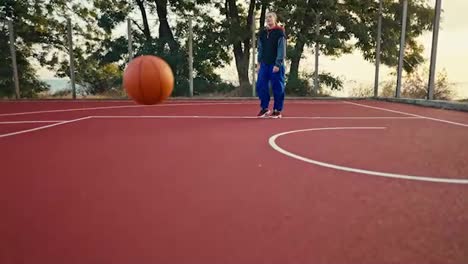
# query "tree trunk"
(241, 46)
(295, 60)
(263, 14)
(165, 32)
(300, 44)
(146, 30)
(242, 66)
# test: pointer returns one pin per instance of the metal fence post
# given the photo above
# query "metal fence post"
(377, 50)
(130, 39)
(402, 48)
(190, 51)
(317, 51)
(14, 64)
(435, 39)
(72, 57)
(253, 55)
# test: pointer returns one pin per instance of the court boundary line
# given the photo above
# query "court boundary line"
(43, 127)
(276, 147)
(158, 105)
(254, 117)
(409, 114)
(70, 110)
(30, 122)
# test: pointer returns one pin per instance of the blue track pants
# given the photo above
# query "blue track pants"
(277, 79)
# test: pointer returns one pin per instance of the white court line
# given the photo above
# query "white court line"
(175, 117)
(106, 107)
(410, 114)
(70, 110)
(30, 122)
(254, 117)
(158, 105)
(353, 117)
(43, 127)
(57, 123)
(71, 101)
(274, 145)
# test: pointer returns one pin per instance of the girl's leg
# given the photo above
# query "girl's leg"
(263, 92)
(278, 85)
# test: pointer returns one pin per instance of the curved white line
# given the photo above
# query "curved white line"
(272, 142)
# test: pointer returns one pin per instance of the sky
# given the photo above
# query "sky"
(452, 54)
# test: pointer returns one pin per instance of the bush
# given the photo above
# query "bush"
(415, 86)
(181, 87)
(303, 86)
(98, 79)
(203, 86)
(362, 91)
(388, 89)
(298, 87)
(62, 93)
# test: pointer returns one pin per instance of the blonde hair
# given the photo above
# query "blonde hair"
(273, 14)
(276, 17)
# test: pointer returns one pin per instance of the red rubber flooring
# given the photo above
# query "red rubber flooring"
(198, 182)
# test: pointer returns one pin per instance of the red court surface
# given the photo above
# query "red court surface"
(205, 182)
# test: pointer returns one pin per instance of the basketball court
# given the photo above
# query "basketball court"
(335, 181)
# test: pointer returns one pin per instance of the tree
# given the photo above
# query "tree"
(29, 24)
(239, 24)
(170, 41)
(41, 31)
(210, 38)
(264, 4)
(420, 17)
(349, 25)
(91, 72)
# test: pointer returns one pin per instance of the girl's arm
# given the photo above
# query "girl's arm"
(280, 57)
(259, 51)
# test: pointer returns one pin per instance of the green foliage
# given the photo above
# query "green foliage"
(420, 16)
(28, 25)
(206, 87)
(327, 80)
(299, 17)
(210, 51)
(97, 78)
(41, 36)
(303, 86)
(349, 25)
(209, 36)
(298, 87)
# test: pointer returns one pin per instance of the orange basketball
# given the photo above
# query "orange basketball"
(148, 80)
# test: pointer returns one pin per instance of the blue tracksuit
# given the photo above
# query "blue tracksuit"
(271, 52)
